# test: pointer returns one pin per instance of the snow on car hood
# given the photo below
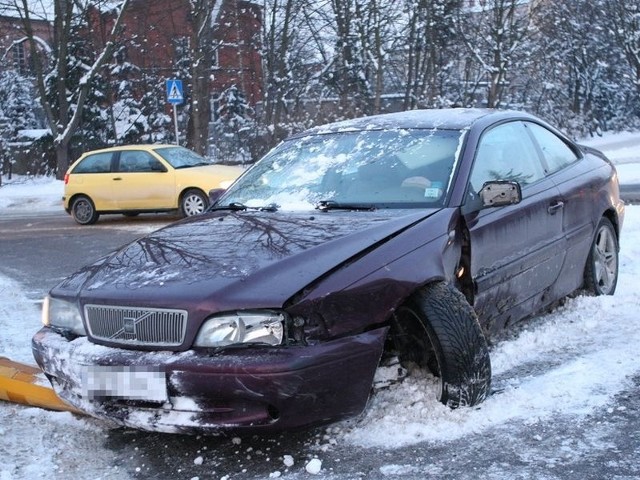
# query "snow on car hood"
(235, 259)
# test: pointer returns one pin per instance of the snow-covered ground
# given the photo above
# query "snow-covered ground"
(30, 194)
(570, 362)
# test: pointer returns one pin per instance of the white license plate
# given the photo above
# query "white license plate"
(125, 382)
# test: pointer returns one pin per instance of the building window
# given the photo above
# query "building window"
(215, 59)
(214, 101)
(181, 53)
(19, 58)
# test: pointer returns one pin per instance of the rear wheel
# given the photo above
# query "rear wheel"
(601, 270)
(193, 202)
(83, 211)
(437, 329)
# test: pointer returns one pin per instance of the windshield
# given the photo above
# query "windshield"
(180, 157)
(381, 169)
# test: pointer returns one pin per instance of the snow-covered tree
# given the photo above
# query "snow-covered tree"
(203, 15)
(17, 112)
(62, 97)
(496, 36)
(234, 127)
(127, 121)
(580, 68)
(429, 35)
(160, 125)
(364, 34)
(17, 103)
(292, 59)
(92, 130)
(624, 23)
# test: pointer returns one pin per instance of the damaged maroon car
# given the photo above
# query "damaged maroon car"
(410, 236)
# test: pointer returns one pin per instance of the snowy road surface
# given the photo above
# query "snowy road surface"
(566, 400)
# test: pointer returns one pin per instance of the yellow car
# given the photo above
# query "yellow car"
(142, 178)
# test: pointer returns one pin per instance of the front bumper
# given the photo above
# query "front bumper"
(257, 388)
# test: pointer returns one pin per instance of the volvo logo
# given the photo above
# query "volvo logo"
(129, 325)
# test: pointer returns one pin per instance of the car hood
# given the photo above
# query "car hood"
(230, 260)
(219, 175)
(215, 170)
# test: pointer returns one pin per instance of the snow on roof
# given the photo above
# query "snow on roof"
(38, 10)
(33, 133)
(446, 118)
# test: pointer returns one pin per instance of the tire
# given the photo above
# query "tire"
(601, 270)
(83, 211)
(193, 202)
(438, 329)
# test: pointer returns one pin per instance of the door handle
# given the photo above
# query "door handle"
(556, 207)
(117, 178)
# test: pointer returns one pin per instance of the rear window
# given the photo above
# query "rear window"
(96, 163)
(556, 153)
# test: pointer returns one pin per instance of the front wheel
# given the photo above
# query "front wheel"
(437, 329)
(193, 202)
(601, 270)
(83, 211)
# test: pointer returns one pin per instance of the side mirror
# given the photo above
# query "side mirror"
(215, 194)
(500, 193)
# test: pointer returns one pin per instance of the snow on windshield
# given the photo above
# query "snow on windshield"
(179, 157)
(400, 167)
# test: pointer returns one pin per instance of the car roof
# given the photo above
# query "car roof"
(445, 118)
(131, 147)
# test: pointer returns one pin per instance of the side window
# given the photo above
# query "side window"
(506, 152)
(137, 161)
(556, 153)
(96, 163)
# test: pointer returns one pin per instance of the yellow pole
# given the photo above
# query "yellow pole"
(20, 383)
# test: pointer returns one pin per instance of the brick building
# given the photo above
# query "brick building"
(157, 35)
(14, 49)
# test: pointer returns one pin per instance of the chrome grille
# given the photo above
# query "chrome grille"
(137, 326)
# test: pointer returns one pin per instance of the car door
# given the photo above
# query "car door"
(516, 251)
(92, 176)
(143, 182)
(576, 178)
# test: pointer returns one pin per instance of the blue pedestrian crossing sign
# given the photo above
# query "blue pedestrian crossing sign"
(175, 94)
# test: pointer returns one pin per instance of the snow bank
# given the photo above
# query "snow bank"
(31, 194)
(37, 443)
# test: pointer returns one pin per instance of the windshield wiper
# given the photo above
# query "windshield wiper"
(272, 207)
(234, 206)
(326, 205)
(189, 165)
(237, 206)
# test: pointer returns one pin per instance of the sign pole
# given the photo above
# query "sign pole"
(175, 122)
(175, 96)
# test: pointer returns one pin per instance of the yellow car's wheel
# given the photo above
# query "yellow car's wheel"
(193, 202)
(83, 211)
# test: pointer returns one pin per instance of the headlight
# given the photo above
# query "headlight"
(62, 314)
(241, 327)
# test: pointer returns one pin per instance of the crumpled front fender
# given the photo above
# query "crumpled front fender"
(259, 388)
